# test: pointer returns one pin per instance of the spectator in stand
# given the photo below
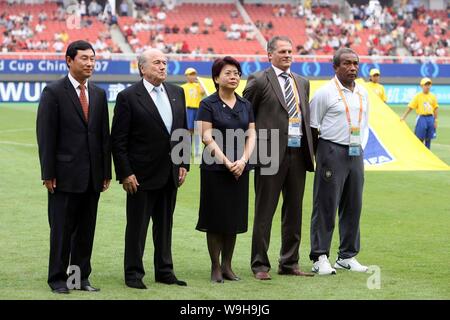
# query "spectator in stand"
(64, 36)
(161, 16)
(40, 27)
(193, 29)
(223, 27)
(208, 22)
(58, 46)
(185, 47)
(83, 8)
(123, 8)
(94, 8)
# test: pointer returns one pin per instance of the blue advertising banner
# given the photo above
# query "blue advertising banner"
(60, 67)
(31, 91)
(403, 94)
(307, 69)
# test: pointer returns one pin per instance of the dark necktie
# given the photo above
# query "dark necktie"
(289, 96)
(84, 102)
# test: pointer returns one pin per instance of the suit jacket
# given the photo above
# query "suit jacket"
(70, 149)
(267, 97)
(141, 144)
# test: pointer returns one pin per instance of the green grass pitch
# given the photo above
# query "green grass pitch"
(404, 231)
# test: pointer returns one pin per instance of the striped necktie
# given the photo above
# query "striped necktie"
(289, 96)
(84, 102)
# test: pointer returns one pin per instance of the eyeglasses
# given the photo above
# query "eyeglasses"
(232, 73)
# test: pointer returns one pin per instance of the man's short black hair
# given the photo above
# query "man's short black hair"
(339, 53)
(73, 48)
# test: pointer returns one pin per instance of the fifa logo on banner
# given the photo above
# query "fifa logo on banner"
(374, 281)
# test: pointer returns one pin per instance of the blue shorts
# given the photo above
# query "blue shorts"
(425, 127)
(191, 116)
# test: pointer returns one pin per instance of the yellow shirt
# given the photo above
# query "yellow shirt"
(193, 94)
(424, 104)
(378, 89)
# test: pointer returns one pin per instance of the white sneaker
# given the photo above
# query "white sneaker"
(350, 264)
(323, 266)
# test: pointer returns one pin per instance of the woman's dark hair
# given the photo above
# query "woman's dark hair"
(218, 65)
(73, 48)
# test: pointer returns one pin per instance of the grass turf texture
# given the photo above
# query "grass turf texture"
(404, 231)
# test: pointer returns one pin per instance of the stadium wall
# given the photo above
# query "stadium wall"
(22, 80)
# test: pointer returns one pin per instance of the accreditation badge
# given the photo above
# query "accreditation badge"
(354, 149)
(294, 136)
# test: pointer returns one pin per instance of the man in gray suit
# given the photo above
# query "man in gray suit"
(280, 102)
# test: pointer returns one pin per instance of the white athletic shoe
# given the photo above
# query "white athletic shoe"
(350, 264)
(323, 266)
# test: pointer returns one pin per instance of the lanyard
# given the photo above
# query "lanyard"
(347, 111)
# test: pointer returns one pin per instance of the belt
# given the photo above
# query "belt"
(338, 144)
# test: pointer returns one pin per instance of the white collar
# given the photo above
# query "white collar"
(356, 89)
(278, 71)
(150, 86)
(75, 82)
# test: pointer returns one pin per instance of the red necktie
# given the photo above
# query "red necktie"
(84, 102)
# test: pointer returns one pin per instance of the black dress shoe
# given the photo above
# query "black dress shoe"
(62, 290)
(136, 284)
(172, 280)
(89, 288)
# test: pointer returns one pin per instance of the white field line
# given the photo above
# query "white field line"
(16, 130)
(446, 146)
(13, 143)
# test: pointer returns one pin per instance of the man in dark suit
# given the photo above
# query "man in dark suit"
(280, 102)
(145, 116)
(74, 149)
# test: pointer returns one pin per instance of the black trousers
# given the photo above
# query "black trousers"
(72, 218)
(338, 186)
(290, 181)
(159, 205)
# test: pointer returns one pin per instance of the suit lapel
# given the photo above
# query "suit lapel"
(70, 90)
(301, 93)
(93, 97)
(272, 76)
(148, 105)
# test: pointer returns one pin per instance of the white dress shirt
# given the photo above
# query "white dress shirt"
(281, 79)
(76, 85)
(164, 108)
(328, 112)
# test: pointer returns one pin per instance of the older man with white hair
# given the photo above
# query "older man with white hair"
(145, 116)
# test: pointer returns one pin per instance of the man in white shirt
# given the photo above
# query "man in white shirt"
(339, 111)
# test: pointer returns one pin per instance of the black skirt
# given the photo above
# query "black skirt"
(223, 202)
